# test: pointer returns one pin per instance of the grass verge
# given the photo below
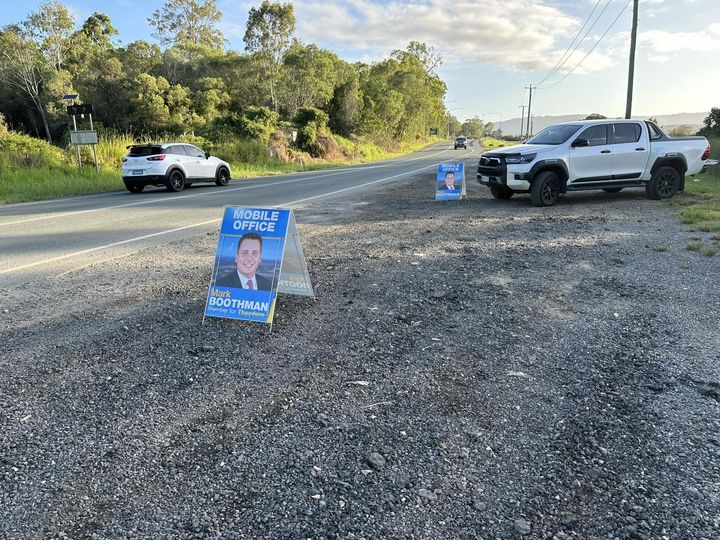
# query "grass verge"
(28, 183)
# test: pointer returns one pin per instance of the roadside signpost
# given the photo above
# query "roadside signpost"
(82, 137)
(258, 255)
(433, 131)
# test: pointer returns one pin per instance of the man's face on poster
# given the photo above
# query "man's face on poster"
(450, 180)
(248, 257)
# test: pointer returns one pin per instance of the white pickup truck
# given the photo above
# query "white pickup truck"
(598, 154)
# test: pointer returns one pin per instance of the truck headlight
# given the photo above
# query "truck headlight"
(526, 158)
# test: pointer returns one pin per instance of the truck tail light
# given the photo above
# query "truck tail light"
(706, 154)
(156, 158)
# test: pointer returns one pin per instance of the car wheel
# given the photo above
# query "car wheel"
(612, 190)
(176, 181)
(664, 183)
(134, 188)
(545, 189)
(501, 192)
(222, 178)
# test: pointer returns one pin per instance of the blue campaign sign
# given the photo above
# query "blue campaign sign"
(248, 261)
(450, 183)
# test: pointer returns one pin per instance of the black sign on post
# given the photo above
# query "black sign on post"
(74, 110)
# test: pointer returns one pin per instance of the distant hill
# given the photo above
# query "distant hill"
(667, 121)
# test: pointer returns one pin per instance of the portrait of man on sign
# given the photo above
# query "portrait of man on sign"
(449, 182)
(247, 261)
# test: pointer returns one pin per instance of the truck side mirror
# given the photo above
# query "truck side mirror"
(207, 155)
(580, 142)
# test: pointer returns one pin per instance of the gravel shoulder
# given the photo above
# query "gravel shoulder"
(474, 369)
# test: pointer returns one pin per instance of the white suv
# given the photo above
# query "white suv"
(173, 165)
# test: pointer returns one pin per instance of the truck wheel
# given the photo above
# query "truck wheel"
(664, 183)
(545, 189)
(176, 181)
(612, 189)
(501, 192)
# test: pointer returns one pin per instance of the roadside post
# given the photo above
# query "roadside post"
(82, 137)
(450, 182)
(259, 254)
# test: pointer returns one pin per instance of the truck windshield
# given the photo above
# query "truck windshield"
(554, 134)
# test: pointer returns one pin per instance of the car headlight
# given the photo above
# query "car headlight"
(526, 158)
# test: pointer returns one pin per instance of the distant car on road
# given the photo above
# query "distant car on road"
(173, 165)
(461, 142)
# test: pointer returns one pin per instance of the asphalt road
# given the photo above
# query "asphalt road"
(52, 237)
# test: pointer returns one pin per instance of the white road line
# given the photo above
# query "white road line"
(216, 220)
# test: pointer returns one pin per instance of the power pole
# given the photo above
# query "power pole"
(529, 108)
(631, 69)
(522, 119)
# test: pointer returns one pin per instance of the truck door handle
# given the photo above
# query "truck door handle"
(605, 151)
(639, 149)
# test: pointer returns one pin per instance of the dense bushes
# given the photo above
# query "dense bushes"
(312, 125)
(18, 150)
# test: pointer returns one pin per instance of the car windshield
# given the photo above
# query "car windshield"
(461, 138)
(145, 151)
(555, 134)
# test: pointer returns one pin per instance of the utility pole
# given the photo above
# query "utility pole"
(631, 69)
(522, 119)
(529, 108)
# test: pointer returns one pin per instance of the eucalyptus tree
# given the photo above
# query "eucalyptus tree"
(23, 67)
(268, 35)
(188, 21)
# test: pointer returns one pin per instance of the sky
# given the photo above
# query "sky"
(493, 49)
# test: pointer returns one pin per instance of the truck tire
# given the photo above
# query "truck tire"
(545, 189)
(664, 183)
(501, 192)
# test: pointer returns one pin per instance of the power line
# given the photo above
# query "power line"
(557, 64)
(591, 50)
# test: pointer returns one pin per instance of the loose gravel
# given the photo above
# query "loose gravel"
(473, 369)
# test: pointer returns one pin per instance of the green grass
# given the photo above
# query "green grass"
(47, 183)
(694, 246)
(709, 251)
(37, 170)
(490, 143)
(663, 247)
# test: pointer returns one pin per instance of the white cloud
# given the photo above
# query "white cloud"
(514, 34)
(663, 42)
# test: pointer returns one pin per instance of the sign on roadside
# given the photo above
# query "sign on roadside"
(84, 137)
(450, 182)
(258, 255)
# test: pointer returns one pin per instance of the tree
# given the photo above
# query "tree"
(268, 35)
(595, 116)
(310, 76)
(489, 129)
(711, 125)
(51, 27)
(188, 21)
(428, 56)
(22, 67)
(473, 128)
(98, 31)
